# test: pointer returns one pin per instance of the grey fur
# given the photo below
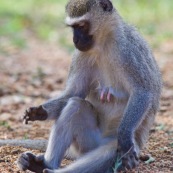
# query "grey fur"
(122, 60)
(76, 8)
(30, 144)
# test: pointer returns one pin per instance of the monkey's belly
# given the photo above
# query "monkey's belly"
(109, 115)
(110, 118)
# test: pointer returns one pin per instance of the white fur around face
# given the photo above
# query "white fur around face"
(70, 21)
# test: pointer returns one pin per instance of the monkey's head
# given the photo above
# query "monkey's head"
(88, 18)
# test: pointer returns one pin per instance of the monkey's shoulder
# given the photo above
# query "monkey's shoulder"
(133, 46)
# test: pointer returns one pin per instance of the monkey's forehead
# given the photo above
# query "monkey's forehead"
(77, 8)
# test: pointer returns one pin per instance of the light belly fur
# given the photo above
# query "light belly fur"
(109, 114)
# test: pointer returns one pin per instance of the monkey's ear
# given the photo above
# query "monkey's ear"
(106, 5)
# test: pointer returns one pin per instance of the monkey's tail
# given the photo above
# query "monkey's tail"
(30, 144)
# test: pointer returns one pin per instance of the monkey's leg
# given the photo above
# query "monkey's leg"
(77, 123)
(99, 160)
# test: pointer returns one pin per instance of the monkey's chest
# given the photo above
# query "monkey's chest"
(109, 73)
(108, 80)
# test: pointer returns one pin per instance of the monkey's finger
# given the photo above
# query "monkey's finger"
(23, 162)
(24, 116)
(27, 118)
(136, 156)
(27, 112)
(133, 162)
(23, 165)
(25, 121)
(127, 163)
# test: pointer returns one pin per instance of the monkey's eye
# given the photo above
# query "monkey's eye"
(80, 27)
(84, 26)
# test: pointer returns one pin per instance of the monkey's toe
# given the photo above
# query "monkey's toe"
(23, 162)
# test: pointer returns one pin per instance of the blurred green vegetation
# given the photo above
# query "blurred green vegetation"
(44, 20)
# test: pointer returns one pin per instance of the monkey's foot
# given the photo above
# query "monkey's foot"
(128, 160)
(28, 161)
(107, 94)
(35, 113)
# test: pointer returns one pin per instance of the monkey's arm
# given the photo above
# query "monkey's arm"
(141, 80)
(140, 74)
(137, 108)
(139, 105)
(48, 110)
(77, 85)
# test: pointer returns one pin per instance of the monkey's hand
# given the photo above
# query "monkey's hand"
(126, 156)
(35, 113)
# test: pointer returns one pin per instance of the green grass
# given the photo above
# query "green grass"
(152, 18)
(5, 124)
(45, 20)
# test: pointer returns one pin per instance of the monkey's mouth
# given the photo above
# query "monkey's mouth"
(85, 44)
(84, 48)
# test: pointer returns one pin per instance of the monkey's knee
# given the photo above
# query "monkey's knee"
(79, 117)
(79, 106)
(79, 102)
(80, 110)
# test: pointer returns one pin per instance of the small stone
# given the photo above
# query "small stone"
(153, 130)
(144, 158)
(2, 160)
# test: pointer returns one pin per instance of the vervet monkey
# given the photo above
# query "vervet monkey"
(110, 100)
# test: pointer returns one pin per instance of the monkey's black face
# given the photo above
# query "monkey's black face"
(81, 38)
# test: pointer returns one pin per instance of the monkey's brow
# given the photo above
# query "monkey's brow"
(75, 24)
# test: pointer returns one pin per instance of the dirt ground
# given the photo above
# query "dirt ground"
(30, 76)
